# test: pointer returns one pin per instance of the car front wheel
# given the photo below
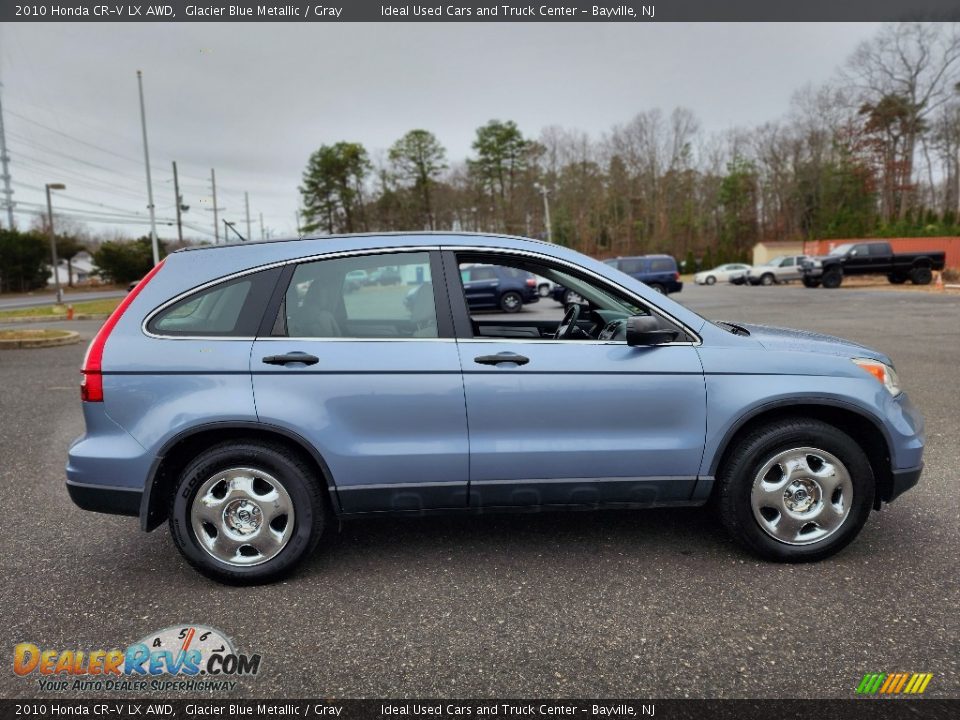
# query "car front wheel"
(246, 513)
(795, 491)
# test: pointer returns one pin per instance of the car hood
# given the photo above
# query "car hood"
(775, 338)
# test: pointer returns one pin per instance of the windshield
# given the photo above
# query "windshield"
(841, 249)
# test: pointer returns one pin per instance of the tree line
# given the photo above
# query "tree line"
(875, 152)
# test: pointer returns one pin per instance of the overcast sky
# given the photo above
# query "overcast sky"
(254, 100)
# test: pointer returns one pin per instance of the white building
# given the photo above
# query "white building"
(81, 267)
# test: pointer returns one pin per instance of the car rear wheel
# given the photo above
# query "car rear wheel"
(657, 287)
(921, 276)
(511, 302)
(795, 491)
(767, 279)
(711, 280)
(543, 291)
(246, 513)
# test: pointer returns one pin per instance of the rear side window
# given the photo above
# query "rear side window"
(230, 309)
(662, 265)
(631, 266)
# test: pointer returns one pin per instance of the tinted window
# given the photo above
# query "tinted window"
(398, 303)
(631, 266)
(788, 262)
(662, 265)
(879, 249)
(481, 273)
(230, 309)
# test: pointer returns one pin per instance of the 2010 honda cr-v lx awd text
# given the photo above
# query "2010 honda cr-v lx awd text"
(245, 395)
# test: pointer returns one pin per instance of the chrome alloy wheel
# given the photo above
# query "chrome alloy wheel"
(242, 516)
(802, 496)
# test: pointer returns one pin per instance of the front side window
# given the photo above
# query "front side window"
(385, 296)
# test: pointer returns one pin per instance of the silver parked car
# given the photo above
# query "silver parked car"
(782, 268)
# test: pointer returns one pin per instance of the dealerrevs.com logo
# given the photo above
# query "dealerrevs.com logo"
(894, 683)
(186, 657)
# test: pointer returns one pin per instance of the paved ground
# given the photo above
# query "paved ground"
(645, 604)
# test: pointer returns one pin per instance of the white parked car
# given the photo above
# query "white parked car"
(721, 273)
(782, 268)
(544, 286)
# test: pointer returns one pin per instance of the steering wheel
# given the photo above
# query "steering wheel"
(569, 322)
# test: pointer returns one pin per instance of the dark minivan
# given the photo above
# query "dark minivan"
(658, 271)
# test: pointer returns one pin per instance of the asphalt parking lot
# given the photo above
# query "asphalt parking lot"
(656, 603)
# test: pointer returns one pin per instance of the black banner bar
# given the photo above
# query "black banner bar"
(865, 709)
(332, 11)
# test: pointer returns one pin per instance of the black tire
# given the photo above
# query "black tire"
(657, 287)
(543, 291)
(896, 279)
(711, 280)
(737, 477)
(767, 279)
(810, 282)
(299, 480)
(511, 302)
(570, 298)
(832, 279)
(921, 276)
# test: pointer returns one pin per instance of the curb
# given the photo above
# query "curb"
(70, 339)
(49, 318)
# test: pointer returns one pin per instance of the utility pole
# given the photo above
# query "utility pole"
(216, 224)
(261, 227)
(53, 240)
(5, 168)
(546, 212)
(246, 203)
(176, 192)
(146, 160)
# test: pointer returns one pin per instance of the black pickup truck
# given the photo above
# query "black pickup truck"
(870, 258)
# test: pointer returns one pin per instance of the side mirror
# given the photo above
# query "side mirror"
(645, 330)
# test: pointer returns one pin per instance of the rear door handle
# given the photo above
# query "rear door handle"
(294, 357)
(505, 357)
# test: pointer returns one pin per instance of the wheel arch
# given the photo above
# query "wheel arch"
(867, 431)
(184, 446)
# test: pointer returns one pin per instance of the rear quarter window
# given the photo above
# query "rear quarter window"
(232, 308)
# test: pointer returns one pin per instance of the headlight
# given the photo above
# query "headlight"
(882, 372)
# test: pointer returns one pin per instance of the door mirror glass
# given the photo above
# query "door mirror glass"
(645, 330)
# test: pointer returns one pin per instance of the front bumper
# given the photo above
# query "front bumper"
(902, 481)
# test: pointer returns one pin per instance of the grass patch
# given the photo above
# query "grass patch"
(87, 307)
(32, 334)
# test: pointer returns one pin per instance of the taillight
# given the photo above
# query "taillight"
(91, 387)
(531, 282)
(676, 276)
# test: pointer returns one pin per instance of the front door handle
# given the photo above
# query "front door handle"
(504, 357)
(294, 357)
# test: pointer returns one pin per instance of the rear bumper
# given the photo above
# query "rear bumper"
(105, 499)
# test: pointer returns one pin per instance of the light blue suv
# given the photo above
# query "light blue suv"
(246, 394)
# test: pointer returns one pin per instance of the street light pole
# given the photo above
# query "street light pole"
(53, 239)
(176, 192)
(146, 159)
